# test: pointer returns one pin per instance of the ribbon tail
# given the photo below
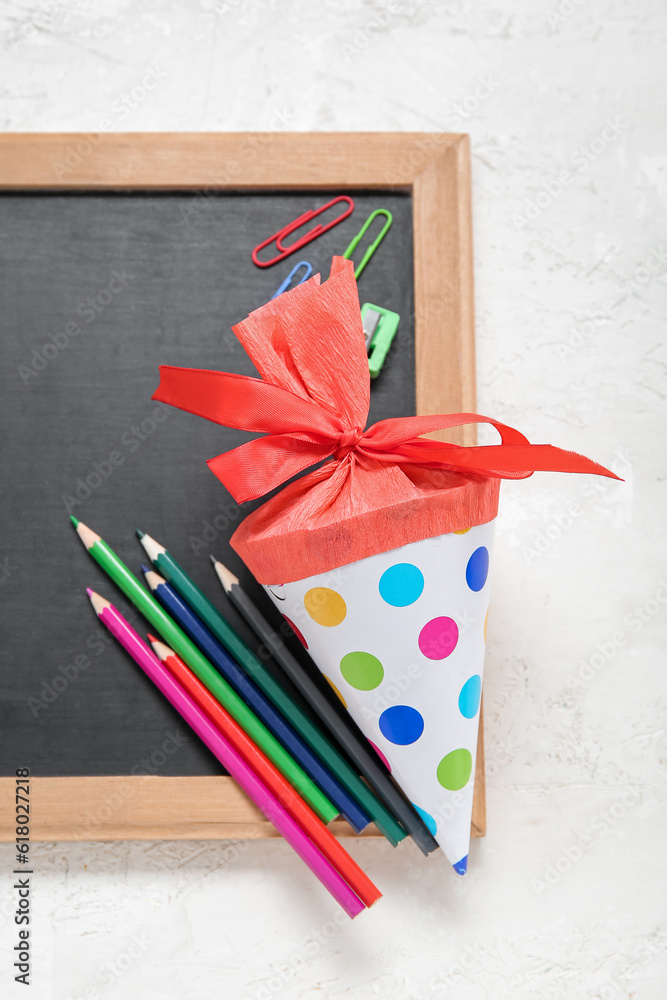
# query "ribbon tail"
(505, 461)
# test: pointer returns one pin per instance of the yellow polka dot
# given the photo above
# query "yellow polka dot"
(486, 622)
(325, 606)
(335, 690)
(463, 531)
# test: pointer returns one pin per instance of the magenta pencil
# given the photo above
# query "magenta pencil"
(242, 773)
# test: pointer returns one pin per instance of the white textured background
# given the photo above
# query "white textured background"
(570, 259)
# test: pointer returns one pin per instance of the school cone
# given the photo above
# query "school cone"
(400, 636)
(382, 547)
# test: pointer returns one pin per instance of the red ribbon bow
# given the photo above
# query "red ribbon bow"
(313, 400)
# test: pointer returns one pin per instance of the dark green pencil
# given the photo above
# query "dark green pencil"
(104, 555)
(165, 563)
(356, 747)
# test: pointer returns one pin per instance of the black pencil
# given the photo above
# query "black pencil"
(362, 755)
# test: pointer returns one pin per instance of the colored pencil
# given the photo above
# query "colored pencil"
(270, 775)
(104, 555)
(232, 761)
(261, 706)
(165, 564)
(355, 745)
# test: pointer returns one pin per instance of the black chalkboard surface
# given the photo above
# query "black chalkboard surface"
(97, 290)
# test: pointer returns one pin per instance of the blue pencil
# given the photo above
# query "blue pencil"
(261, 706)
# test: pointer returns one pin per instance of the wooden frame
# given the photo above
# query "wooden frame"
(435, 170)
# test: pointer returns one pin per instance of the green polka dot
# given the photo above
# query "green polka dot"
(362, 671)
(454, 769)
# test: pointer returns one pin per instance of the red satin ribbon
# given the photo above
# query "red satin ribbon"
(301, 432)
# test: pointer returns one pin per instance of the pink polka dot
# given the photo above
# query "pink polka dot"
(381, 755)
(296, 631)
(438, 638)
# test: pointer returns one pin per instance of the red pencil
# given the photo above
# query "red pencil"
(299, 810)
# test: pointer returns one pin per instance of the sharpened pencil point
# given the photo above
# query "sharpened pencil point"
(152, 638)
(152, 548)
(144, 569)
(226, 577)
(75, 520)
(98, 602)
(213, 559)
(140, 533)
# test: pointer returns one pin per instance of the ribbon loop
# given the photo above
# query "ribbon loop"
(315, 380)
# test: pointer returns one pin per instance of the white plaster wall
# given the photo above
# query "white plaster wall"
(570, 305)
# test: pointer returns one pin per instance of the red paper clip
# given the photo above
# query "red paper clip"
(292, 226)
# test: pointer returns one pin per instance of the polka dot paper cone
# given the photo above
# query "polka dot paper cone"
(398, 628)
(400, 636)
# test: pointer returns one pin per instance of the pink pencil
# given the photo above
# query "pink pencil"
(254, 788)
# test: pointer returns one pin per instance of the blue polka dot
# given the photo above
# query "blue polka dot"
(477, 569)
(428, 820)
(401, 585)
(470, 695)
(401, 724)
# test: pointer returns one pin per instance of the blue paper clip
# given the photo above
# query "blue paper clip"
(288, 280)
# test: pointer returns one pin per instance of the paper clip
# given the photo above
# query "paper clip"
(288, 280)
(285, 251)
(376, 242)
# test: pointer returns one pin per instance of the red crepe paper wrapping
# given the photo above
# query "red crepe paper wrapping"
(382, 487)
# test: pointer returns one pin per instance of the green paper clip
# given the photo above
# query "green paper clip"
(380, 326)
(376, 242)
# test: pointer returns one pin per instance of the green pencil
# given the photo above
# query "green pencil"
(207, 674)
(319, 743)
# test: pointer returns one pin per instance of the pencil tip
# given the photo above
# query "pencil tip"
(225, 576)
(152, 638)
(461, 867)
(75, 520)
(213, 559)
(144, 569)
(140, 533)
(98, 602)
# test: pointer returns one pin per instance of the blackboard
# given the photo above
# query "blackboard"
(97, 290)
(79, 326)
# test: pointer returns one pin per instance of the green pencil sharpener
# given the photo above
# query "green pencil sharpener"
(380, 326)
